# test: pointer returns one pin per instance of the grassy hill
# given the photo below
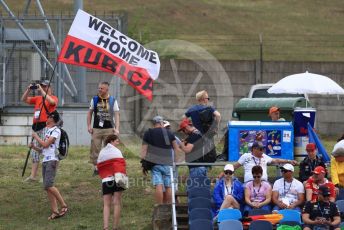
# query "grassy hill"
(290, 29)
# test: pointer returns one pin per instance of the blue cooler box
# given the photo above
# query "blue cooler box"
(278, 137)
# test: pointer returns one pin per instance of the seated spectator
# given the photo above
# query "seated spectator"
(274, 114)
(228, 191)
(322, 214)
(258, 157)
(337, 167)
(310, 162)
(257, 192)
(287, 192)
(313, 183)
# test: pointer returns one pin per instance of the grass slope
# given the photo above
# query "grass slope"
(25, 205)
(308, 30)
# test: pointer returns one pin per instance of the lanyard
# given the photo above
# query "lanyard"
(284, 190)
(228, 190)
(321, 211)
(256, 192)
(253, 158)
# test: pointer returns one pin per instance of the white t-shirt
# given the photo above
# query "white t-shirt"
(288, 192)
(248, 161)
(50, 153)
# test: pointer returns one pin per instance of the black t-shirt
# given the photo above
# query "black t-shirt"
(159, 141)
(196, 155)
(307, 166)
(321, 209)
(102, 113)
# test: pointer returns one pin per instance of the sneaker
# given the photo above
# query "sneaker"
(30, 179)
(95, 172)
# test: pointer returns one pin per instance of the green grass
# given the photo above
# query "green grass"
(307, 30)
(25, 205)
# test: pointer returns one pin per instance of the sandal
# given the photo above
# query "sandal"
(54, 216)
(63, 211)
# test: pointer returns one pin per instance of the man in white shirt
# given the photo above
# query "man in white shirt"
(288, 192)
(258, 157)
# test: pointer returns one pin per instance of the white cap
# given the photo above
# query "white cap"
(288, 167)
(338, 149)
(229, 167)
(166, 123)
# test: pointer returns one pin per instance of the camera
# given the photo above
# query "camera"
(34, 85)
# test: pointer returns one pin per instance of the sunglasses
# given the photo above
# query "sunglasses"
(207, 98)
(228, 172)
(285, 171)
(256, 176)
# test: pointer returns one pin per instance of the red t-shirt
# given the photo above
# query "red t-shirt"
(315, 188)
(37, 101)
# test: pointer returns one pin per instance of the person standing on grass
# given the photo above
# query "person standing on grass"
(48, 147)
(105, 109)
(111, 166)
(156, 147)
(39, 117)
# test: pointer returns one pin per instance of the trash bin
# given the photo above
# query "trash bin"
(301, 117)
(257, 109)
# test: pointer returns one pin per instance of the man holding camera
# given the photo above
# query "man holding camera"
(45, 102)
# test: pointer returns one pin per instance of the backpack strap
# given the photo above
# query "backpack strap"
(95, 102)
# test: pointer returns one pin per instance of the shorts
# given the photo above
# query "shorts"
(161, 174)
(49, 173)
(110, 187)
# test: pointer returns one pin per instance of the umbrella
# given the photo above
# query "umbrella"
(306, 83)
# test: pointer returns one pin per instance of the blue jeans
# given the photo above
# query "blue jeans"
(265, 207)
(340, 194)
(198, 171)
(161, 175)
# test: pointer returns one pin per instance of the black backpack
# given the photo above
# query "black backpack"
(206, 117)
(63, 145)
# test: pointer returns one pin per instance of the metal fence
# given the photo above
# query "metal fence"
(21, 64)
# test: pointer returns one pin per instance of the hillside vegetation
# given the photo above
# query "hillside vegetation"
(307, 30)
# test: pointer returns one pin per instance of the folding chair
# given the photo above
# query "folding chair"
(255, 212)
(199, 202)
(260, 224)
(200, 213)
(228, 214)
(201, 225)
(199, 192)
(230, 224)
(290, 215)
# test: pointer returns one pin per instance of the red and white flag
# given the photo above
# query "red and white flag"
(93, 43)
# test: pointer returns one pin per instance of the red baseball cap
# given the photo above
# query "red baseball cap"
(311, 146)
(185, 122)
(273, 109)
(319, 169)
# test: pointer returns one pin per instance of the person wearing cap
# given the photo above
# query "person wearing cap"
(257, 192)
(258, 157)
(156, 147)
(322, 214)
(337, 167)
(48, 147)
(228, 191)
(39, 116)
(288, 192)
(192, 146)
(105, 110)
(274, 114)
(315, 181)
(308, 164)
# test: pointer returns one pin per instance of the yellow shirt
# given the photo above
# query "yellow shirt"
(337, 172)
